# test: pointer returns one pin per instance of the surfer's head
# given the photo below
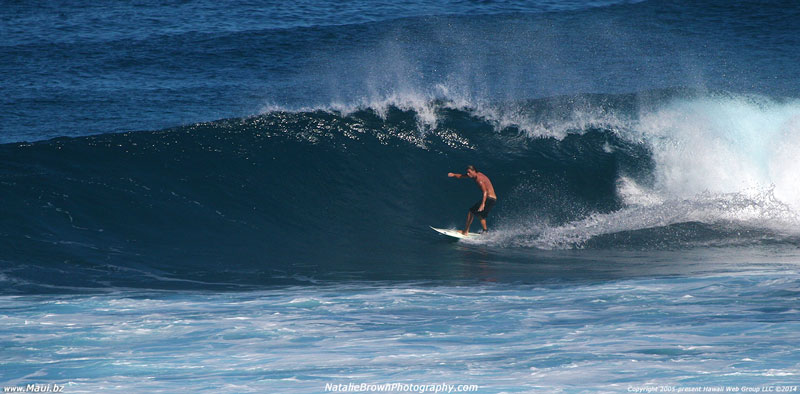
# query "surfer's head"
(472, 172)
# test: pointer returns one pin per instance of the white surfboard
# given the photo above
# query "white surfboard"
(455, 233)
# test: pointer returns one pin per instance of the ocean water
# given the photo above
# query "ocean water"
(206, 197)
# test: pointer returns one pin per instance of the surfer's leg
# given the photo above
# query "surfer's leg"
(469, 222)
(483, 214)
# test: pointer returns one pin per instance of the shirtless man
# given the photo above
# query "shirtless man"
(482, 207)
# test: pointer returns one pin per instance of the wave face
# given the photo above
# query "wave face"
(287, 197)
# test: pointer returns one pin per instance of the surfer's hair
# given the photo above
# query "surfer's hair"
(471, 167)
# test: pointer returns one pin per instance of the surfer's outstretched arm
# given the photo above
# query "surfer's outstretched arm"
(458, 176)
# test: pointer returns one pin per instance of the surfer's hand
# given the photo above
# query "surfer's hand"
(450, 175)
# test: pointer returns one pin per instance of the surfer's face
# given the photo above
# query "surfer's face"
(471, 173)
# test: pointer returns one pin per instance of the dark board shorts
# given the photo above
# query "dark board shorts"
(487, 207)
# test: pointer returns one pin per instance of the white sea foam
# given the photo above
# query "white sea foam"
(730, 160)
(733, 144)
(760, 211)
(498, 336)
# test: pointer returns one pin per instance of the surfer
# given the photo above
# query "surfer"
(482, 207)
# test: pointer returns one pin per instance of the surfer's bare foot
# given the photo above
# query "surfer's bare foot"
(464, 232)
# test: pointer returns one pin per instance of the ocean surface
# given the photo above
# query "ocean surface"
(203, 196)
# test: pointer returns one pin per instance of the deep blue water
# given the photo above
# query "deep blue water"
(237, 196)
